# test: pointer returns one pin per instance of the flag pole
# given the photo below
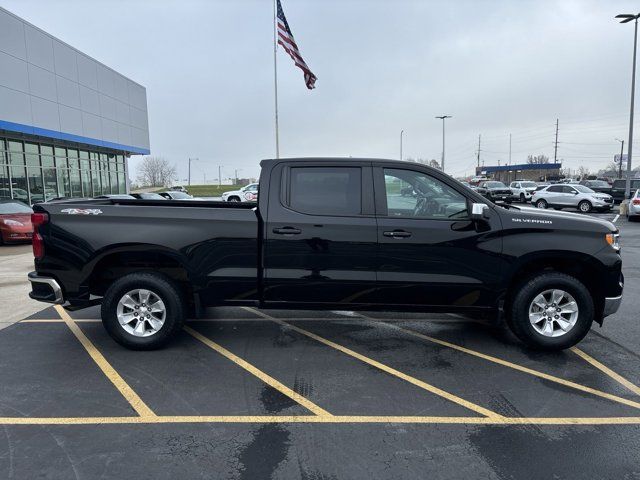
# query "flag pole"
(275, 74)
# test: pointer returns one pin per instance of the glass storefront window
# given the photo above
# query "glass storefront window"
(36, 185)
(5, 191)
(50, 183)
(19, 184)
(40, 172)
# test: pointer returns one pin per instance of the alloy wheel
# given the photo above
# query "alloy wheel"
(553, 313)
(141, 312)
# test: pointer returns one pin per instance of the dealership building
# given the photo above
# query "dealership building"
(68, 123)
(537, 172)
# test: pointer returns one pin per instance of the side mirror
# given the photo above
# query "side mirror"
(574, 192)
(479, 211)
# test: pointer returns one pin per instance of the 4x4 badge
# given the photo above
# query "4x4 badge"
(82, 211)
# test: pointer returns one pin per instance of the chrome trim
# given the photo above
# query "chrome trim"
(57, 291)
(611, 305)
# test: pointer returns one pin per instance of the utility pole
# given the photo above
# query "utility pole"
(237, 170)
(509, 149)
(190, 160)
(555, 151)
(219, 175)
(443, 118)
(479, 151)
(401, 132)
(620, 159)
(627, 18)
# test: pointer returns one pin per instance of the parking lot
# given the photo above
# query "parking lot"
(253, 394)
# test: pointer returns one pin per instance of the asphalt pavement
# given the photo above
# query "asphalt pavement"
(253, 394)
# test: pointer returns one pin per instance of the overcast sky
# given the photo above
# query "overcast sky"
(383, 66)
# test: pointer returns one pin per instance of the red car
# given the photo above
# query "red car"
(15, 221)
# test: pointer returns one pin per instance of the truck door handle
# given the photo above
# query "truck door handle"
(397, 234)
(287, 231)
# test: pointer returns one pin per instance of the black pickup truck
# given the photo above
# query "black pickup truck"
(329, 234)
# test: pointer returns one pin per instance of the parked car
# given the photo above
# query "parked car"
(248, 193)
(18, 194)
(495, 191)
(599, 186)
(15, 221)
(633, 212)
(176, 195)
(179, 188)
(330, 233)
(619, 186)
(572, 196)
(522, 190)
(148, 196)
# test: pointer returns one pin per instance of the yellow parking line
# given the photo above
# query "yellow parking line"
(515, 366)
(606, 370)
(259, 373)
(392, 371)
(54, 320)
(127, 392)
(561, 421)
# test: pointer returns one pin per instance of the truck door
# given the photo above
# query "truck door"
(430, 252)
(320, 234)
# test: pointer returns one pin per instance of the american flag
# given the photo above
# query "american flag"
(285, 38)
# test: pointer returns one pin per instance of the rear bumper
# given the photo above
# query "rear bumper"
(45, 289)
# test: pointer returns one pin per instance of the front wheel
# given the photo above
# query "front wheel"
(551, 311)
(585, 206)
(541, 203)
(142, 311)
(522, 199)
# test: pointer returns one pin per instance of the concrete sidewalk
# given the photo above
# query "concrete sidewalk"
(15, 262)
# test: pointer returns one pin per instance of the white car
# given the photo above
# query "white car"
(523, 190)
(248, 193)
(633, 212)
(561, 196)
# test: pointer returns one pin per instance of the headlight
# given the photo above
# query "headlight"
(613, 239)
(13, 223)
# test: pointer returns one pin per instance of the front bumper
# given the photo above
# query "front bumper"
(611, 305)
(45, 289)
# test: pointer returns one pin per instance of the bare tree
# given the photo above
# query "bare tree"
(537, 159)
(434, 163)
(156, 172)
(583, 172)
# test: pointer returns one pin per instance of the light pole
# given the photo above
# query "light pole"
(190, 160)
(620, 159)
(237, 170)
(443, 117)
(627, 17)
(401, 132)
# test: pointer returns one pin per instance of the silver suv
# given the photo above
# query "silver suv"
(572, 196)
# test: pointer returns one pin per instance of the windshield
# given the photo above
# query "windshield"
(528, 184)
(583, 189)
(151, 196)
(598, 183)
(14, 207)
(180, 195)
(495, 185)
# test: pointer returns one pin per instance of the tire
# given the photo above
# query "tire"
(160, 287)
(585, 206)
(630, 218)
(233, 199)
(542, 203)
(522, 199)
(576, 326)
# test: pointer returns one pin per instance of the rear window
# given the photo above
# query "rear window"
(621, 183)
(326, 190)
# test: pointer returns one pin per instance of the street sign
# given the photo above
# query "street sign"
(616, 158)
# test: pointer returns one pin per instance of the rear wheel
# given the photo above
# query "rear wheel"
(542, 203)
(585, 206)
(551, 311)
(234, 199)
(142, 311)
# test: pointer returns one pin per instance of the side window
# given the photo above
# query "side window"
(568, 189)
(516, 185)
(417, 195)
(326, 190)
(554, 189)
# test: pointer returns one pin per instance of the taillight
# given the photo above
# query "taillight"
(636, 201)
(38, 219)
